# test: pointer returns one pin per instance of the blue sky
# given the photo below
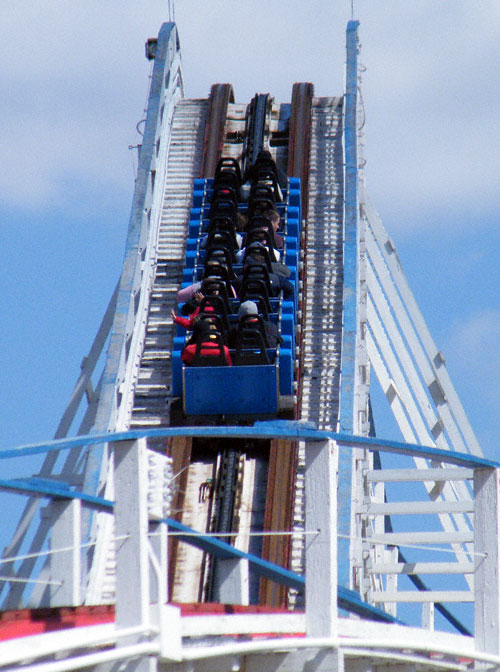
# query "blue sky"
(74, 81)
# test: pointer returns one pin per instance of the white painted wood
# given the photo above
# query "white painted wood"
(428, 615)
(387, 635)
(417, 538)
(391, 580)
(168, 620)
(412, 508)
(404, 475)
(387, 385)
(242, 541)
(421, 431)
(101, 588)
(233, 581)
(222, 624)
(65, 566)
(435, 357)
(312, 660)
(487, 576)
(364, 526)
(158, 557)
(400, 386)
(408, 415)
(153, 387)
(423, 568)
(195, 514)
(133, 580)
(415, 363)
(413, 395)
(131, 528)
(323, 266)
(423, 596)
(456, 491)
(136, 658)
(321, 550)
(412, 377)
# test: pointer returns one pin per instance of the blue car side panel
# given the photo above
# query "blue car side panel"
(230, 390)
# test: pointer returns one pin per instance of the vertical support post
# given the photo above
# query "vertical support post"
(487, 566)
(159, 565)
(428, 615)
(66, 533)
(321, 549)
(164, 616)
(233, 581)
(348, 412)
(131, 528)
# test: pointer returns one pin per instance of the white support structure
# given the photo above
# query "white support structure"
(487, 548)
(141, 564)
(428, 358)
(65, 565)
(233, 585)
(321, 549)
(131, 529)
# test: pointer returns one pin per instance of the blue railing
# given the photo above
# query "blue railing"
(289, 430)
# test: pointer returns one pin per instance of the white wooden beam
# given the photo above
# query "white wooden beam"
(422, 568)
(414, 538)
(424, 380)
(412, 508)
(321, 549)
(487, 576)
(232, 582)
(131, 529)
(387, 384)
(405, 475)
(423, 596)
(65, 565)
(391, 259)
(428, 612)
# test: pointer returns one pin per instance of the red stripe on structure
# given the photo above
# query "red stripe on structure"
(212, 608)
(25, 622)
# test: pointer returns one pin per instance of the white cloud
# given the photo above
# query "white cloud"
(431, 93)
(474, 343)
(76, 81)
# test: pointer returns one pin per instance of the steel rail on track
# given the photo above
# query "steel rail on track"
(283, 456)
(220, 97)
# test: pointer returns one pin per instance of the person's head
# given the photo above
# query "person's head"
(206, 325)
(274, 218)
(247, 308)
(241, 221)
(201, 330)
